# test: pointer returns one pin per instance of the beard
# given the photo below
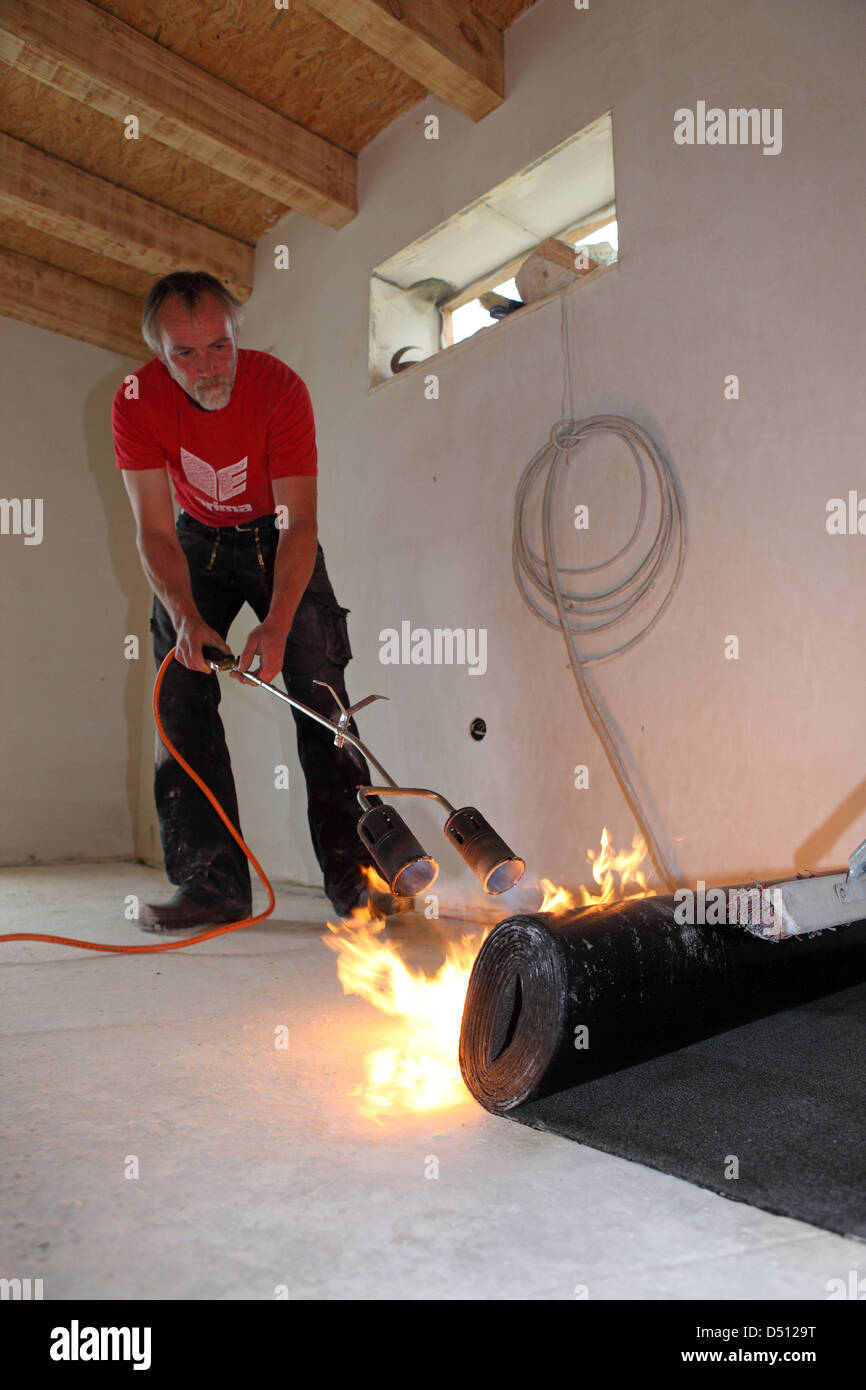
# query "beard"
(213, 395)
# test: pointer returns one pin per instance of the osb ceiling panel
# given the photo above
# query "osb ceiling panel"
(42, 246)
(294, 61)
(80, 135)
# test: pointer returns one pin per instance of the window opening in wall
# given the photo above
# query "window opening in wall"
(547, 227)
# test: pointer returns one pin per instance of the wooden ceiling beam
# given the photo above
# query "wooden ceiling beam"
(92, 57)
(55, 197)
(449, 47)
(48, 297)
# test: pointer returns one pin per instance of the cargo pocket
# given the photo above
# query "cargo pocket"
(336, 631)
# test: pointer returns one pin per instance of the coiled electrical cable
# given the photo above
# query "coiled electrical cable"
(582, 608)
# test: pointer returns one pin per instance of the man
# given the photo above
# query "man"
(233, 431)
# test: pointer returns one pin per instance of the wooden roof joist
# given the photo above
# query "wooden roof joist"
(96, 59)
(451, 48)
(55, 197)
(56, 299)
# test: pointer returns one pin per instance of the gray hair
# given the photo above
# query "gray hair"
(189, 287)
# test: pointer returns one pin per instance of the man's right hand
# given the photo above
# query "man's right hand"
(165, 564)
(192, 635)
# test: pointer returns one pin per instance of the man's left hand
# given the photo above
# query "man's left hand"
(268, 643)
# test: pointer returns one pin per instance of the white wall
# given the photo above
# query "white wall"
(70, 737)
(732, 261)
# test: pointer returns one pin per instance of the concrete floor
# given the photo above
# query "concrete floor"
(256, 1170)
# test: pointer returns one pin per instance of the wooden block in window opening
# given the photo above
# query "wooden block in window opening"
(550, 267)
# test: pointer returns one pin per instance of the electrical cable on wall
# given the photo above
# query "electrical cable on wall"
(580, 611)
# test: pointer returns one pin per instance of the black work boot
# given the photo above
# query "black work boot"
(183, 912)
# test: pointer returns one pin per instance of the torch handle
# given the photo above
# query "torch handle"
(224, 661)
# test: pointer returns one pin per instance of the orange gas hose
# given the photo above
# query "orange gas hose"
(189, 940)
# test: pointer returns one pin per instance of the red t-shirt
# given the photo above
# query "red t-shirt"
(220, 461)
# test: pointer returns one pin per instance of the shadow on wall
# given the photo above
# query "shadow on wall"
(837, 826)
(117, 523)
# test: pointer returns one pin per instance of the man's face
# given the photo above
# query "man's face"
(199, 349)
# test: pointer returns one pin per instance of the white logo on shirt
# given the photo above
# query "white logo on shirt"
(219, 483)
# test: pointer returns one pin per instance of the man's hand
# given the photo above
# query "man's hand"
(192, 635)
(268, 643)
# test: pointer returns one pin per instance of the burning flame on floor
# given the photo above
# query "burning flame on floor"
(420, 1072)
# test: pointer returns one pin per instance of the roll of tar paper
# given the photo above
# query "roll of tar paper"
(554, 1001)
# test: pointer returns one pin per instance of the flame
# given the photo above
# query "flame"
(618, 875)
(555, 900)
(420, 1072)
(607, 865)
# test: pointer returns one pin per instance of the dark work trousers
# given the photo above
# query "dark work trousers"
(228, 566)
